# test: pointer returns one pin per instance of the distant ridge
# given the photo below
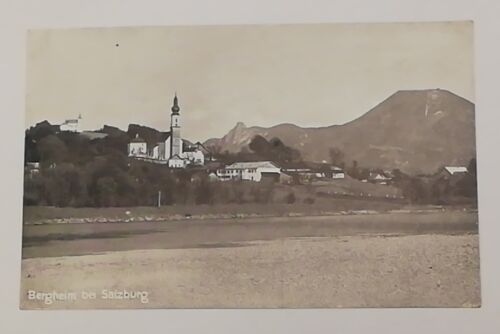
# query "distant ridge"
(417, 131)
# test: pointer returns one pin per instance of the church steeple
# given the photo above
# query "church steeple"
(175, 107)
(175, 129)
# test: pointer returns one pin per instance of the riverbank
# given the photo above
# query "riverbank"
(55, 215)
(339, 271)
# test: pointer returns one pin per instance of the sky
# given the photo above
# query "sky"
(310, 75)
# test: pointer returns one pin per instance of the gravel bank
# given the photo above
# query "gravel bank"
(356, 271)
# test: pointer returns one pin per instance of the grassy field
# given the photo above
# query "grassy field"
(39, 214)
(324, 197)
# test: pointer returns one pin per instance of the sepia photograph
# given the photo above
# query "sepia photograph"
(326, 165)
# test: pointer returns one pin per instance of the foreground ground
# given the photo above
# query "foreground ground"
(398, 259)
(335, 271)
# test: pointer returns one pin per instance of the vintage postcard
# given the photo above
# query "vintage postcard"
(252, 166)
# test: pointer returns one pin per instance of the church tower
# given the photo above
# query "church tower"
(175, 129)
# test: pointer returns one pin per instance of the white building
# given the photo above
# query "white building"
(194, 157)
(32, 168)
(177, 162)
(337, 173)
(71, 125)
(452, 170)
(250, 171)
(137, 147)
(380, 177)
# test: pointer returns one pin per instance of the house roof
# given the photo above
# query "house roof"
(177, 157)
(252, 164)
(456, 169)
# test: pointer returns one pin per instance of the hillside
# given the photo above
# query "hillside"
(416, 131)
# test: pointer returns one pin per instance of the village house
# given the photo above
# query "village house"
(177, 162)
(250, 171)
(452, 174)
(454, 170)
(306, 172)
(32, 169)
(337, 173)
(194, 156)
(380, 177)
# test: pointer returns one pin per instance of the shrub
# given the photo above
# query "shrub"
(309, 200)
(290, 198)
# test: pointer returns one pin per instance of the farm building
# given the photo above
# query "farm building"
(250, 171)
(453, 170)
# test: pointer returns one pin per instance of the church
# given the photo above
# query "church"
(172, 150)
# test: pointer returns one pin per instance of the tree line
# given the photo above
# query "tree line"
(78, 171)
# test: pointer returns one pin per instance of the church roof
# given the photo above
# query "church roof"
(177, 157)
(164, 136)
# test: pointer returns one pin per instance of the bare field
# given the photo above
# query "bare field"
(338, 271)
(321, 206)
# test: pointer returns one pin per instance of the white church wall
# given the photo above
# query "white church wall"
(166, 149)
(156, 152)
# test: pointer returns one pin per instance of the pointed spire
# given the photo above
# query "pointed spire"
(175, 107)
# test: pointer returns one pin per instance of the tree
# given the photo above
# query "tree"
(414, 190)
(336, 156)
(290, 198)
(106, 191)
(33, 190)
(51, 150)
(204, 192)
(273, 150)
(354, 171)
(472, 168)
(467, 186)
(259, 144)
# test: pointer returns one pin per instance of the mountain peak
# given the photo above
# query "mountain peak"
(240, 125)
(417, 131)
